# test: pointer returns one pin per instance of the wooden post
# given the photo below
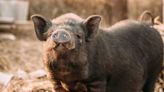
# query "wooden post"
(117, 10)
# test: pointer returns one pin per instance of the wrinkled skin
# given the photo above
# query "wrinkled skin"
(81, 57)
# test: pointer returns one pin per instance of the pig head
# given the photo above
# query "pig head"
(65, 49)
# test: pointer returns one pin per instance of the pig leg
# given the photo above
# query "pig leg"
(56, 84)
(80, 87)
(97, 86)
(57, 87)
(150, 84)
(152, 78)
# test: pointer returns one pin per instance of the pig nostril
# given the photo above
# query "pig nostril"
(65, 36)
(55, 35)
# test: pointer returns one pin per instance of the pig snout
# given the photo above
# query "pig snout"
(61, 36)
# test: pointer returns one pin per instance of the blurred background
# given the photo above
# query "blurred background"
(20, 51)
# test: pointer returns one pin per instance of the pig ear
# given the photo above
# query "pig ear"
(41, 26)
(92, 25)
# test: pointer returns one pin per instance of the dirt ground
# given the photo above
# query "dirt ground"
(24, 53)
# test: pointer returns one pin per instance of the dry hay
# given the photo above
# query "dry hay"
(21, 53)
(24, 53)
(29, 85)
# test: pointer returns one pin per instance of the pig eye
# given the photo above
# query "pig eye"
(78, 36)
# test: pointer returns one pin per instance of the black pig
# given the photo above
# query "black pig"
(127, 57)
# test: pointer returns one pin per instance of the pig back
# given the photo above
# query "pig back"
(135, 44)
(128, 45)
